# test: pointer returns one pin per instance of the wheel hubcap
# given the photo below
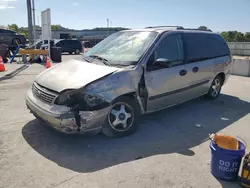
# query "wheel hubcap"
(121, 117)
(216, 87)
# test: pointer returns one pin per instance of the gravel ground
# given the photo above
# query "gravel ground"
(171, 148)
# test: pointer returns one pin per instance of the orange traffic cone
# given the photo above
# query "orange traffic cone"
(2, 67)
(48, 64)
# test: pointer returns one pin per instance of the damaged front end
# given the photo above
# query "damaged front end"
(88, 110)
(71, 112)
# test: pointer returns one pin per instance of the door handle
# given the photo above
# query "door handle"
(195, 69)
(183, 72)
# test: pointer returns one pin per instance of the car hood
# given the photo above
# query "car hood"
(72, 74)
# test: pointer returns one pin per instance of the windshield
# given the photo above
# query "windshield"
(123, 48)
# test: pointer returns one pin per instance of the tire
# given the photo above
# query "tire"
(131, 123)
(5, 60)
(77, 51)
(70, 53)
(16, 41)
(215, 88)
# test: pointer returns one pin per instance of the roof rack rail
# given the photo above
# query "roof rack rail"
(197, 29)
(174, 27)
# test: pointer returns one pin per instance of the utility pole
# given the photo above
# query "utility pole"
(107, 27)
(34, 22)
(30, 22)
(38, 23)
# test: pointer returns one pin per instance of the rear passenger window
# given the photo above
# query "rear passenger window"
(201, 46)
(67, 43)
(73, 43)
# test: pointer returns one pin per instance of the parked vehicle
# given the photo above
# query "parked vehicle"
(40, 45)
(86, 44)
(69, 45)
(128, 74)
(11, 38)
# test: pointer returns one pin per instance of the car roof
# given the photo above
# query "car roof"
(7, 30)
(161, 29)
(58, 40)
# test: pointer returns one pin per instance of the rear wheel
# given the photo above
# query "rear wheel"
(214, 91)
(70, 53)
(77, 51)
(16, 41)
(122, 118)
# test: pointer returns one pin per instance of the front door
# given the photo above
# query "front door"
(167, 86)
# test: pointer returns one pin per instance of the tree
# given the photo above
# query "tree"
(56, 27)
(235, 36)
(14, 27)
(247, 36)
(224, 34)
(232, 36)
(239, 37)
(109, 29)
(203, 28)
(25, 33)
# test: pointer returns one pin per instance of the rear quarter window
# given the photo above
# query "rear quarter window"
(77, 44)
(74, 43)
(203, 46)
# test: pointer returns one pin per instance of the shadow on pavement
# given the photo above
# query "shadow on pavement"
(174, 130)
(15, 72)
(225, 184)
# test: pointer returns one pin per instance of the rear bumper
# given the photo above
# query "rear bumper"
(63, 119)
(227, 75)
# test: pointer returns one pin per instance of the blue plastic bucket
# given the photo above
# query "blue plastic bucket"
(225, 164)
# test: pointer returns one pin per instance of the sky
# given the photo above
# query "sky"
(217, 15)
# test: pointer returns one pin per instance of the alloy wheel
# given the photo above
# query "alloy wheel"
(216, 86)
(121, 117)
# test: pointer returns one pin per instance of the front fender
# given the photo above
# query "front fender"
(119, 83)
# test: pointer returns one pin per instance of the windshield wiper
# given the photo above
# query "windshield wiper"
(86, 59)
(103, 60)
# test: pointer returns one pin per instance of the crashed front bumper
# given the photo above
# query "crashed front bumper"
(63, 118)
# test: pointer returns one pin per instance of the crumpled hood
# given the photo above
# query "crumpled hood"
(72, 74)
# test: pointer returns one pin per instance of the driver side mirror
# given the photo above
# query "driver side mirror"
(162, 62)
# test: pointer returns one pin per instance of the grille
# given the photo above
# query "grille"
(42, 94)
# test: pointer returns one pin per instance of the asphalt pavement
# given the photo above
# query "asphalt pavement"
(170, 149)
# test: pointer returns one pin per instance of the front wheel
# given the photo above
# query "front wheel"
(122, 118)
(215, 88)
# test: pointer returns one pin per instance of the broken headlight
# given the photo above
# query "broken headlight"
(85, 101)
(65, 98)
(93, 100)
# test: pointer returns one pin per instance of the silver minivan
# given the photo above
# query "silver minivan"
(128, 74)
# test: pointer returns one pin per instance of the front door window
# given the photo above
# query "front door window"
(171, 49)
